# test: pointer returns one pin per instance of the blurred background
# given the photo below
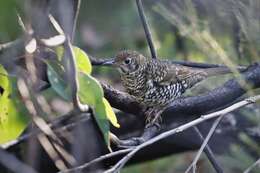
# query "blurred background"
(220, 31)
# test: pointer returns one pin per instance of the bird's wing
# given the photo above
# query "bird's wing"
(178, 73)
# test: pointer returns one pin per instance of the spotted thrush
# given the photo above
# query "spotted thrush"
(156, 83)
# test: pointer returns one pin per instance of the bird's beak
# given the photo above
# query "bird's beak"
(109, 62)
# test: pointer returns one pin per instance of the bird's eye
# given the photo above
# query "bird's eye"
(127, 61)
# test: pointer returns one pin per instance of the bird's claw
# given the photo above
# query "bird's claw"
(130, 143)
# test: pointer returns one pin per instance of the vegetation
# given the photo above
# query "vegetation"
(56, 97)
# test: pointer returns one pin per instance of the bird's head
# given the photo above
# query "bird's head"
(127, 61)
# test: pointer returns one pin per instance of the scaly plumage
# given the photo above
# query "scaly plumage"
(156, 83)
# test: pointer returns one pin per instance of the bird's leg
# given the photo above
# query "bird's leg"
(153, 117)
(149, 132)
(153, 121)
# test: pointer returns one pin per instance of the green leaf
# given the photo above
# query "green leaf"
(13, 114)
(16, 120)
(82, 61)
(102, 121)
(5, 89)
(90, 91)
(55, 75)
(110, 113)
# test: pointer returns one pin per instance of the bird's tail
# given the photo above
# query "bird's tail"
(200, 74)
(221, 70)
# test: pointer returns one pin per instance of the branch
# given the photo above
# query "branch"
(75, 19)
(72, 76)
(209, 152)
(58, 125)
(18, 44)
(146, 28)
(11, 44)
(99, 159)
(13, 164)
(249, 169)
(204, 144)
(100, 61)
(186, 126)
(191, 106)
(33, 108)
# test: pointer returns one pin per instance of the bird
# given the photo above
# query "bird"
(156, 83)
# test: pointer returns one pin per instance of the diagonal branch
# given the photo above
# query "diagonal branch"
(99, 61)
(186, 126)
(209, 152)
(75, 19)
(251, 167)
(146, 28)
(99, 159)
(73, 76)
(204, 145)
(13, 164)
(191, 106)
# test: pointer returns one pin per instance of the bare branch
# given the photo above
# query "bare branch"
(197, 121)
(146, 28)
(75, 19)
(46, 144)
(209, 152)
(21, 23)
(99, 159)
(42, 125)
(13, 44)
(251, 167)
(100, 61)
(70, 65)
(190, 106)
(13, 164)
(204, 144)
(73, 76)
(55, 125)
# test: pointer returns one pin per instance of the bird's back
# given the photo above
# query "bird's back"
(158, 83)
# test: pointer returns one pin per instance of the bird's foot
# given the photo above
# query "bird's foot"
(127, 143)
(149, 132)
(130, 143)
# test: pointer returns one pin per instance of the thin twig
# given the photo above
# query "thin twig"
(14, 164)
(12, 44)
(204, 144)
(203, 39)
(146, 28)
(36, 131)
(52, 153)
(70, 66)
(100, 62)
(42, 125)
(101, 158)
(249, 169)
(209, 152)
(186, 126)
(73, 76)
(32, 108)
(21, 23)
(75, 19)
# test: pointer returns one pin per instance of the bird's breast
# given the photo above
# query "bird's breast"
(148, 92)
(134, 84)
(160, 95)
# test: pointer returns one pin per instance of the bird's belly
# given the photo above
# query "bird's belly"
(162, 95)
